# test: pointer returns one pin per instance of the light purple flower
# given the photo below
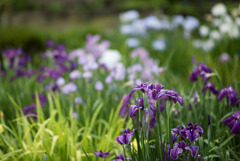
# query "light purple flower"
(78, 100)
(119, 72)
(75, 74)
(108, 79)
(74, 115)
(99, 86)
(69, 88)
(225, 57)
(140, 53)
(132, 42)
(87, 75)
(190, 23)
(60, 81)
(159, 44)
(129, 16)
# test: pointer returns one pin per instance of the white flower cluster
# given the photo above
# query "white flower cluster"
(222, 25)
(137, 28)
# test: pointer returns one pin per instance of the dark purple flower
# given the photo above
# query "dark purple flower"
(124, 108)
(170, 95)
(60, 47)
(179, 148)
(209, 86)
(191, 132)
(194, 75)
(134, 109)
(161, 107)
(50, 43)
(175, 134)
(30, 111)
(153, 120)
(120, 157)
(142, 87)
(190, 106)
(52, 87)
(230, 93)
(202, 70)
(199, 157)
(166, 152)
(195, 98)
(193, 59)
(51, 72)
(42, 98)
(152, 91)
(209, 121)
(125, 137)
(233, 122)
(102, 154)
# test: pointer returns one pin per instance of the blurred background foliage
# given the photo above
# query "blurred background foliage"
(29, 23)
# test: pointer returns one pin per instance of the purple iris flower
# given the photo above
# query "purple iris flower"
(124, 108)
(166, 151)
(102, 154)
(170, 95)
(52, 87)
(30, 110)
(151, 90)
(195, 98)
(161, 107)
(125, 137)
(209, 86)
(50, 72)
(175, 134)
(199, 157)
(179, 148)
(191, 132)
(50, 43)
(230, 93)
(233, 122)
(190, 106)
(142, 87)
(60, 47)
(120, 157)
(202, 70)
(42, 98)
(99, 86)
(134, 109)
(153, 120)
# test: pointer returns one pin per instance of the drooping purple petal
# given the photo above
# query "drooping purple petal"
(236, 127)
(102, 154)
(193, 149)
